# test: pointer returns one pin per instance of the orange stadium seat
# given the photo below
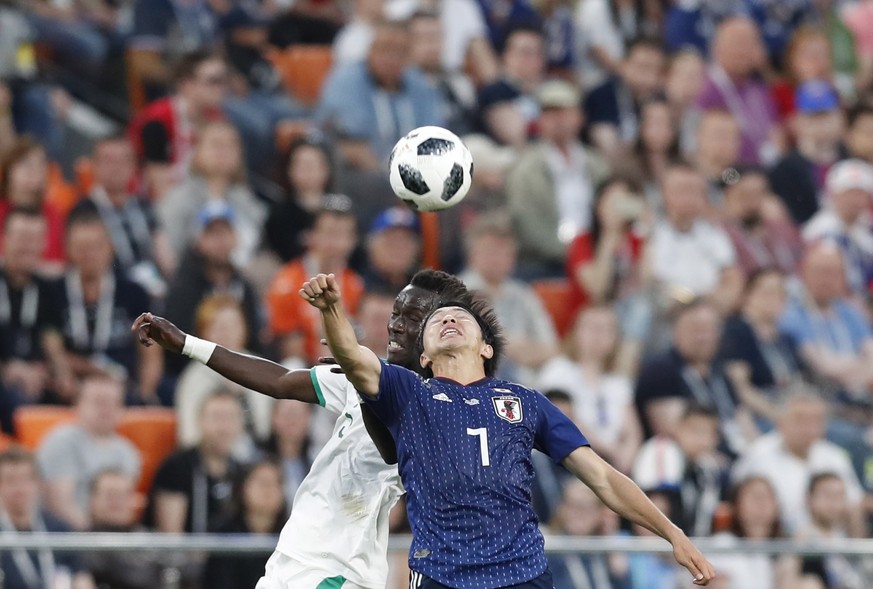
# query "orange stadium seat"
(555, 295)
(33, 422)
(153, 431)
(303, 69)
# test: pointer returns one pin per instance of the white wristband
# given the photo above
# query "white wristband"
(198, 349)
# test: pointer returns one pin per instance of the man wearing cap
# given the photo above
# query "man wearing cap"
(393, 247)
(550, 190)
(798, 178)
(207, 269)
(330, 242)
(845, 220)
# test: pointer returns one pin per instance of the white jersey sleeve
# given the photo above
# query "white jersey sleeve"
(330, 387)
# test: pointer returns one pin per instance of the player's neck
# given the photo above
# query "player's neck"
(458, 368)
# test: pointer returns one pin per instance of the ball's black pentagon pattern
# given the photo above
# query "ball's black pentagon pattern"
(435, 146)
(453, 183)
(411, 203)
(412, 179)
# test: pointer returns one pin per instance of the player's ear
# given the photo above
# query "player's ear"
(424, 361)
(488, 351)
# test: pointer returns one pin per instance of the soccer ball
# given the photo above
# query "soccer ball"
(431, 169)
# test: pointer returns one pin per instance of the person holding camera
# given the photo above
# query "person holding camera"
(604, 263)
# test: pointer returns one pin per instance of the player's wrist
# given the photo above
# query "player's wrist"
(198, 349)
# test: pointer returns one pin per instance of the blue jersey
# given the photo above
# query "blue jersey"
(464, 454)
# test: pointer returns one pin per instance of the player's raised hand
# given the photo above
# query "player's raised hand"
(151, 329)
(692, 559)
(321, 291)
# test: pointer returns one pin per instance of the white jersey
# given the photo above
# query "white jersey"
(339, 522)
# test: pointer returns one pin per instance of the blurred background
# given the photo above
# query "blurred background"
(671, 211)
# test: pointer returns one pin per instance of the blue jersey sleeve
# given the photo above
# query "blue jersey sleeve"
(397, 385)
(556, 435)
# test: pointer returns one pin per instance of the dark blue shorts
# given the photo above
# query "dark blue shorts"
(419, 581)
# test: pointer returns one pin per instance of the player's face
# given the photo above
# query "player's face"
(452, 330)
(410, 309)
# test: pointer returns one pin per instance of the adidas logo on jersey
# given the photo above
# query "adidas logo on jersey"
(442, 397)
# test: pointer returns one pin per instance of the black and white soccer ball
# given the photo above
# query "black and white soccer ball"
(431, 169)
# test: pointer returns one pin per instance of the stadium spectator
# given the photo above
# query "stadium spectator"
(28, 104)
(457, 94)
(72, 455)
(644, 571)
(602, 399)
(716, 149)
(392, 99)
(690, 372)
(817, 122)
(164, 132)
(688, 464)
(217, 173)
(560, 36)
(856, 17)
(789, 456)
(98, 307)
(220, 319)
(859, 133)
(207, 269)
(292, 444)
(140, 246)
(508, 107)
(551, 188)
(296, 330)
(604, 263)
(192, 487)
(307, 176)
(258, 507)
(491, 256)
(686, 74)
(756, 516)
(760, 360)
(845, 221)
(374, 313)
(691, 24)
(114, 506)
(657, 144)
(580, 514)
(760, 237)
(686, 254)
(777, 20)
(79, 33)
(807, 59)
(827, 501)
(21, 511)
(23, 181)
(31, 347)
(393, 247)
(732, 84)
(612, 109)
(352, 42)
(833, 337)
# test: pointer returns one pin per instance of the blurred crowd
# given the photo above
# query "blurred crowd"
(671, 211)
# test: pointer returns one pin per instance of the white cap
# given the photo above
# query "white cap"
(659, 465)
(848, 175)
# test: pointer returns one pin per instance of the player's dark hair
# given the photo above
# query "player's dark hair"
(819, 478)
(484, 314)
(446, 286)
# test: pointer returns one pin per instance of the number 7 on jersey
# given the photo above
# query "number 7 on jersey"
(482, 433)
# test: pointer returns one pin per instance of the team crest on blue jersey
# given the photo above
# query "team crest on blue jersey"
(508, 408)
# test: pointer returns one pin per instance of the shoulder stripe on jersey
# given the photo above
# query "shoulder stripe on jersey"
(332, 583)
(317, 386)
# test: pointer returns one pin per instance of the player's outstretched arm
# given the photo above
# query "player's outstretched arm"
(361, 365)
(254, 373)
(624, 497)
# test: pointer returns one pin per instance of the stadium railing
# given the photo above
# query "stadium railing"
(245, 544)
